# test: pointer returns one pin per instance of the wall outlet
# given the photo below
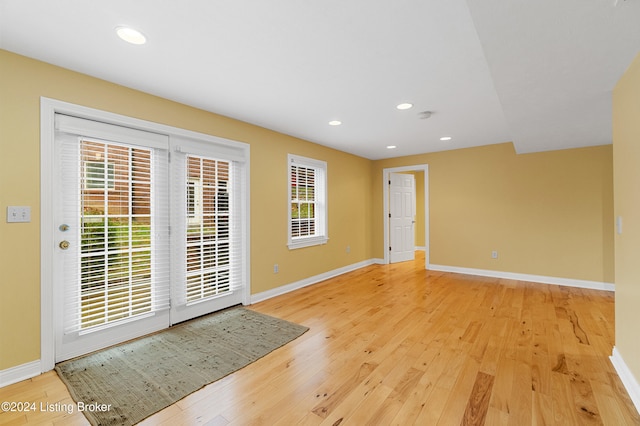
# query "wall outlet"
(494, 254)
(276, 268)
(348, 249)
(18, 214)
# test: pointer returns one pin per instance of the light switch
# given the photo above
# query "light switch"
(18, 214)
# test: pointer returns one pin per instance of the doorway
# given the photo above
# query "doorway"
(421, 219)
(132, 242)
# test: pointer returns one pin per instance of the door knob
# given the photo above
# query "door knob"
(64, 244)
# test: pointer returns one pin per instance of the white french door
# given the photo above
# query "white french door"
(118, 272)
(206, 195)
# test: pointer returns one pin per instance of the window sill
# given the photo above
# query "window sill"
(307, 242)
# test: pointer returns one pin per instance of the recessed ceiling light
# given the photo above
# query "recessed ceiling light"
(404, 106)
(335, 123)
(130, 35)
(391, 147)
(445, 138)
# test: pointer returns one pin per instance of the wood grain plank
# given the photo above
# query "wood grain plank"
(476, 411)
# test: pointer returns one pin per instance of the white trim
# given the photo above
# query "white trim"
(626, 376)
(385, 193)
(287, 288)
(19, 373)
(47, 137)
(569, 282)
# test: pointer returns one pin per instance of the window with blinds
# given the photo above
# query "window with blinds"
(307, 202)
(208, 228)
(116, 232)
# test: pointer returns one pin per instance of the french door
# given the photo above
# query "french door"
(206, 194)
(141, 242)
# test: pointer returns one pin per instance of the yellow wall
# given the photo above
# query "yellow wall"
(626, 161)
(420, 222)
(547, 213)
(23, 81)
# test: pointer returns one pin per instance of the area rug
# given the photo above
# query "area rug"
(124, 384)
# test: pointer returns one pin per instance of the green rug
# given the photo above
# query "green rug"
(125, 384)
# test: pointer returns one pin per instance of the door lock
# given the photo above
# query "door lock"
(64, 227)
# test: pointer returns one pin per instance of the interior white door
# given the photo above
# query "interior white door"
(111, 261)
(402, 214)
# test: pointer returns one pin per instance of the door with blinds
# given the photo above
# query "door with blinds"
(122, 268)
(206, 194)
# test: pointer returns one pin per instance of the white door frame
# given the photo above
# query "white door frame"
(48, 109)
(385, 180)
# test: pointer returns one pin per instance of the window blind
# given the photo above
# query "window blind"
(207, 195)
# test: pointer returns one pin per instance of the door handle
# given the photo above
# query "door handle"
(64, 244)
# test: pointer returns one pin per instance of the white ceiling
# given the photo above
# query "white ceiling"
(538, 73)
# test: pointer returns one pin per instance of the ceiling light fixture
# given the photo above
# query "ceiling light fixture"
(335, 123)
(445, 138)
(391, 147)
(424, 115)
(404, 106)
(130, 35)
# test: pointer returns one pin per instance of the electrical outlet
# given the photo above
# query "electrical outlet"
(276, 268)
(348, 249)
(18, 214)
(494, 254)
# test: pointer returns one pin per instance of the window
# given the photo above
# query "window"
(99, 175)
(307, 202)
(208, 232)
(116, 260)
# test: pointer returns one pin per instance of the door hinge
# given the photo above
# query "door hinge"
(389, 181)
(389, 215)
(389, 248)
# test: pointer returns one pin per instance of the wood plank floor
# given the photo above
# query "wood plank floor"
(398, 345)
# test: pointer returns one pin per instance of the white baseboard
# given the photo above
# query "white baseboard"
(626, 376)
(19, 373)
(258, 297)
(594, 285)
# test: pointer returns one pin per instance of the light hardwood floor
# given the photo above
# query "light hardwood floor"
(398, 345)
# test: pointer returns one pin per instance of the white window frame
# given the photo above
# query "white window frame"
(321, 235)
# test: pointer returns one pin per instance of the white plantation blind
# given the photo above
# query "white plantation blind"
(116, 200)
(207, 203)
